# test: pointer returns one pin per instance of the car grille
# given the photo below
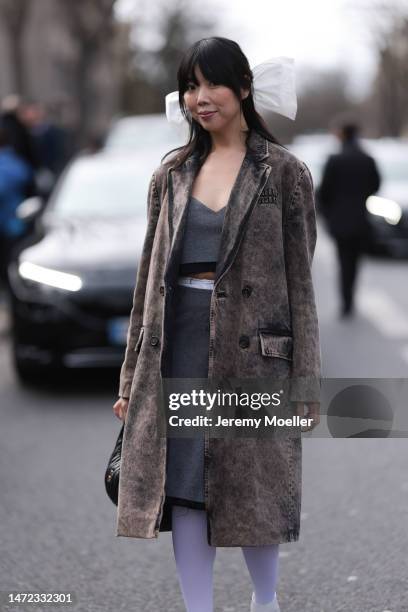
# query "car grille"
(100, 305)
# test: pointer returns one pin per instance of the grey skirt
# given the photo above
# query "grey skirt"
(188, 359)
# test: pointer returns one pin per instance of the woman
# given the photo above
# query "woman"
(224, 289)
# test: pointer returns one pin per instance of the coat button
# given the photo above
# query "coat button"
(246, 291)
(244, 342)
(161, 290)
(154, 340)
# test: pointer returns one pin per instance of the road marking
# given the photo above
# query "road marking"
(383, 313)
(283, 554)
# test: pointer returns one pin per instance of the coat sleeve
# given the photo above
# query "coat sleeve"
(136, 314)
(299, 244)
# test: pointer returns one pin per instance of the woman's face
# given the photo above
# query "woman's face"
(218, 101)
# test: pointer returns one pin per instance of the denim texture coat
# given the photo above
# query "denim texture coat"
(263, 323)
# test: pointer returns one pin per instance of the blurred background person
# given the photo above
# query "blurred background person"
(15, 175)
(19, 137)
(348, 178)
(49, 142)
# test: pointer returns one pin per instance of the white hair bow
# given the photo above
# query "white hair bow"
(274, 90)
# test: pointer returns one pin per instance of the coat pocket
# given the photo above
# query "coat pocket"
(273, 345)
(139, 340)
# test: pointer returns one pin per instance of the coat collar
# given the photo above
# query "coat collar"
(246, 190)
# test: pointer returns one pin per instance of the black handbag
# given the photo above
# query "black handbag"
(113, 470)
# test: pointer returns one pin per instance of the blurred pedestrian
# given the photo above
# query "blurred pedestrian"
(349, 177)
(49, 141)
(18, 134)
(19, 137)
(15, 175)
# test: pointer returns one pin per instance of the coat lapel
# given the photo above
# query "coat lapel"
(247, 188)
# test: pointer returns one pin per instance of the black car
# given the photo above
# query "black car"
(387, 210)
(72, 290)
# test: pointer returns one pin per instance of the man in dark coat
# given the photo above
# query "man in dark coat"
(349, 177)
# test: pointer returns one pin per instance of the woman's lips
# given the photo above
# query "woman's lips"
(207, 115)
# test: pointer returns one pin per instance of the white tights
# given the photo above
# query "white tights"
(195, 559)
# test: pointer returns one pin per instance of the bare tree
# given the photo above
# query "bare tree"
(91, 24)
(172, 27)
(388, 25)
(323, 95)
(392, 80)
(13, 14)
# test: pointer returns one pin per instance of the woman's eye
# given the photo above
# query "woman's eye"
(192, 86)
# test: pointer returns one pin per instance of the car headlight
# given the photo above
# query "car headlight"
(382, 207)
(50, 277)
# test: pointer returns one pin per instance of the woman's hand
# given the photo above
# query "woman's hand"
(120, 408)
(312, 412)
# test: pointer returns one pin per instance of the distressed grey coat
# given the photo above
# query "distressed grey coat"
(263, 323)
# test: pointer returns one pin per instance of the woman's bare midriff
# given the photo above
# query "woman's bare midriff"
(209, 275)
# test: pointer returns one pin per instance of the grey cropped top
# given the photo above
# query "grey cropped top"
(202, 238)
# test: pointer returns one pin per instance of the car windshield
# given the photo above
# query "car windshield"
(137, 134)
(105, 188)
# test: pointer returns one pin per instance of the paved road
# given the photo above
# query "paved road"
(57, 527)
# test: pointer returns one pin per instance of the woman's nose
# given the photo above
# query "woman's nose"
(202, 95)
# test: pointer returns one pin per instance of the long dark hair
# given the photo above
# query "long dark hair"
(222, 62)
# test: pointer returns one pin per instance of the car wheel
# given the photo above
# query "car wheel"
(33, 374)
(28, 374)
